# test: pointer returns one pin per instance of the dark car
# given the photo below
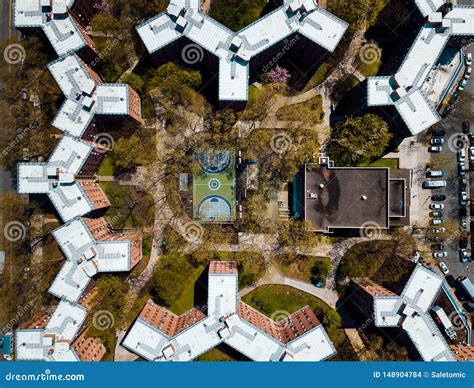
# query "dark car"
(469, 307)
(463, 243)
(438, 197)
(451, 281)
(438, 247)
(439, 133)
(466, 126)
(462, 212)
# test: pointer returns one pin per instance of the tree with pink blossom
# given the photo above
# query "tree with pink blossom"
(278, 75)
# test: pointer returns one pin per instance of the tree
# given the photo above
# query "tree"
(358, 13)
(236, 14)
(128, 153)
(135, 81)
(279, 75)
(332, 319)
(359, 140)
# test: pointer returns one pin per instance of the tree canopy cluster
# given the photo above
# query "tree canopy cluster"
(236, 14)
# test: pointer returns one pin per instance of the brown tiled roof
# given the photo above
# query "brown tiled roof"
(88, 348)
(40, 320)
(284, 330)
(168, 322)
(222, 267)
(463, 352)
(372, 288)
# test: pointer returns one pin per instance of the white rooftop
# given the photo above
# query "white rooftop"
(223, 324)
(85, 95)
(53, 342)
(85, 257)
(417, 111)
(234, 50)
(57, 24)
(410, 311)
(57, 178)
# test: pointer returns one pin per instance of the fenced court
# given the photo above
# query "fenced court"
(214, 187)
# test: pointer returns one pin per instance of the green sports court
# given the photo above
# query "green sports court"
(214, 186)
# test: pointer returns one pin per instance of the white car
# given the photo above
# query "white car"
(439, 230)
(443, 267)
(433, 184)
(471, 153)
(437, 140)
(437, 206)
(469, 59)
(435, 149)
(440, 255)
(468, 72)
(462, 155)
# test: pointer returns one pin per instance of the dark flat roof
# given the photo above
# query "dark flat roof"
(339, 203)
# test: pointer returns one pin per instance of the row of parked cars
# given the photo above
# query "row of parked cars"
(467, 71)
(437, 207)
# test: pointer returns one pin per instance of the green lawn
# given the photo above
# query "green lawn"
(107, 168)
(186, 300)
(270, 298)
(215, 354)
(309, 111)
(390, 163)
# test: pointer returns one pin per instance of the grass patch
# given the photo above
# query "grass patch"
(318, 77)
(303, 268)
(310, 111)
(215, 354)
(107, 168)
(390, 163)
(186, 301)
(254, 92)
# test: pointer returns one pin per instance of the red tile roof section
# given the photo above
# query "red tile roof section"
(223, 267)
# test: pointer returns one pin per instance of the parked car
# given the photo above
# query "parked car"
(436, 206)
(436, 214)
(462, 212)
(463, 223)
(437, 140)
(461, 169)
(471, 153)
(433, 184)
(462, 84)
(451, 281)
(463, 255)
(467, 73)
(466, 126)
(439, 133)
(443, 267)
(436, 221)
(435, 149)
(468, 59)
(439, 230)
(462, 184)
(438, 247)
(438, 197)
(461, 155)
(440, 255)
(463, 198)
(468, 306)
(434, 173)
(463, 243)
